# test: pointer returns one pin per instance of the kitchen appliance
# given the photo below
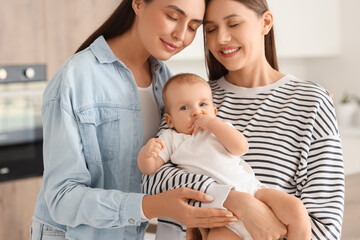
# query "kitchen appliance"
(21, 89)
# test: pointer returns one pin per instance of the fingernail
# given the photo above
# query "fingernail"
(233, 220)
(209, 198)
(229, 215)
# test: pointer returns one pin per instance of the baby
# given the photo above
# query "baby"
(198, 142)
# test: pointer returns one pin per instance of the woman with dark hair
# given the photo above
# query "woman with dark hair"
(290, 125)
(98, 110)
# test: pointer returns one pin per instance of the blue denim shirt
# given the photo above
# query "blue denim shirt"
(92, 135)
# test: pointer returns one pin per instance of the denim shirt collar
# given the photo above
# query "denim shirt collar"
(103, 53)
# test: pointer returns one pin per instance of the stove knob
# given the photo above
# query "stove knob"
(30, 72)
(4, 171)
(3, 74)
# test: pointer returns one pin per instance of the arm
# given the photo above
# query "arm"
(321, 187)
(67, 180)
(232, 139)
(257, 215)
(174, 204)
(148, 158)
(320, 179)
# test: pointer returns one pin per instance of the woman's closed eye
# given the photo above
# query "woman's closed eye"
(193, 26)
(173, 18)
(209, 29)
(234, 22)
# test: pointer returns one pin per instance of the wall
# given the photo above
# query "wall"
(341, 73)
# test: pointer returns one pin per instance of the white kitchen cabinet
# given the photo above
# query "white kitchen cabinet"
(307, 28)
(350, 146)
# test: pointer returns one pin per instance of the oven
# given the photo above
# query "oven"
(21, 89)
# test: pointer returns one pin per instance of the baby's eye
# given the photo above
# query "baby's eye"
(184, 107)
(203, 104)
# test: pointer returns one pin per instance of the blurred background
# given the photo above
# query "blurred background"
(317, 40)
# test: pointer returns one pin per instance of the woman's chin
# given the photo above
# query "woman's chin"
(164, 56)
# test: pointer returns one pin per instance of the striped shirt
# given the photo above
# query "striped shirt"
(294, 146)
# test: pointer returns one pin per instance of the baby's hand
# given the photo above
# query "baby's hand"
(153, 147)
(202, 123)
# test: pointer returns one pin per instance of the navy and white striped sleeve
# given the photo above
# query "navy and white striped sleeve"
(321, 176)
(169, 176)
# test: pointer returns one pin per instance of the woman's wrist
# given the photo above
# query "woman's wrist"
(150, 207)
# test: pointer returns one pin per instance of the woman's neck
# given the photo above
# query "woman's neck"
(129, 49)
(255, 76)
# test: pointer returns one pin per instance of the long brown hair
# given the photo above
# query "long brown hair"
(216, 69)
(118, 23)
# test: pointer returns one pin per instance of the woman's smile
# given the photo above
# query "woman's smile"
(169, 46)
(229, 51)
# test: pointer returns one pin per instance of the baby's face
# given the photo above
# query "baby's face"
(186, 103)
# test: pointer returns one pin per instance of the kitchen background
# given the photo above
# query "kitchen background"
(317, 40)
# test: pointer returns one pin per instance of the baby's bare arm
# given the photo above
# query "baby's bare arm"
(290, 210)
(148, 160)
(232, 139)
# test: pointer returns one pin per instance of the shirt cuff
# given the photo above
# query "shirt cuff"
(130, 212)
(220, 193)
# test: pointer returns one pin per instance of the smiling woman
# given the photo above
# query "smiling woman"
(94, 125)
(290, 124)
(242, 29)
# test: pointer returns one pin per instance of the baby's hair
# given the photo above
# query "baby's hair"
(182, 78)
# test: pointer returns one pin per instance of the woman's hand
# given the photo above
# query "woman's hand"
(174, 204)
(257, 217)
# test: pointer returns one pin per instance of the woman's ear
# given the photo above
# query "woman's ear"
(136, 5)
(169, 120)
(268, 21)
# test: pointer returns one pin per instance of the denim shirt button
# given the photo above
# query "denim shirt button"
(156, 88)
(131, 221)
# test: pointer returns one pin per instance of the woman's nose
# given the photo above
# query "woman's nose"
(223, 36)
(179, 32)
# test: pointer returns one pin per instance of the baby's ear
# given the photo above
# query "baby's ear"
(168, 120)
(215, 111)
